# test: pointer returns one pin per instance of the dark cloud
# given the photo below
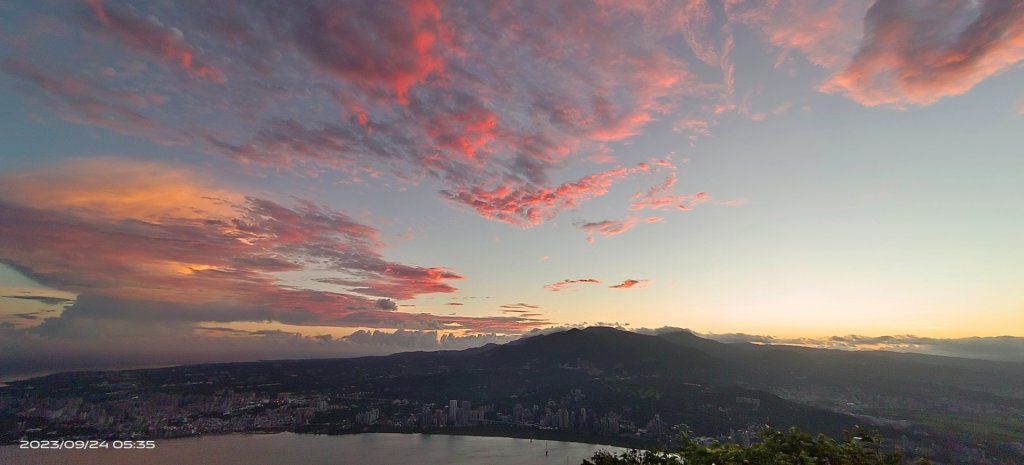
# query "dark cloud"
(84, 100)
(386, 304)
(31, 353)
(519, 305)
(556, 287)
(1007, 348)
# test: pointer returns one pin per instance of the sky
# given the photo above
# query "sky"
(196, 181)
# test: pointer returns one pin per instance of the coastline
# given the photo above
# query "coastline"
(473, 431)
(509, 432)
(290, 448)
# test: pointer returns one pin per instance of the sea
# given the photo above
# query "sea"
(310, 449)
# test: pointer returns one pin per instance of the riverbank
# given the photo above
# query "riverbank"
(318, 449)
(500, 431)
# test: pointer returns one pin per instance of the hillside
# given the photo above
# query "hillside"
(583, 383)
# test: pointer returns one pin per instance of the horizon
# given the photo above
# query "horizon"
(213, 182)
(968, 348)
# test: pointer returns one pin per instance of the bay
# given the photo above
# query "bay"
(290, 448)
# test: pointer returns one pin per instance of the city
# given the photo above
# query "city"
(598, 385)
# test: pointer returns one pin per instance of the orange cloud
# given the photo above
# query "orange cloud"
(149, 239)
(120, 189)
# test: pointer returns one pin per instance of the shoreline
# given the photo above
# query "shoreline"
(510, 432)
(471, 431)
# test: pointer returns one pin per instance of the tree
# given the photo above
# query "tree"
(776, 448)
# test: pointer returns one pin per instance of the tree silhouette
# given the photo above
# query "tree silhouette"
(775, 448)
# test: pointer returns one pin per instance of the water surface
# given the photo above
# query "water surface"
(290, 448)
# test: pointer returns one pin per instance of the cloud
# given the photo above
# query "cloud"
(519, 305)
(152, 242)
(532, 206)
(84, 100)
(424, 340)
(556, 287)
(47, 300)
(1006, 348)
(824, 32)
(522, 309)
(502, 107)
(28, 353)
(379, 45)
(148, 35)
(386, 304)
(630, 283)
(662, 196)
(915, 53)
(606, 228)
(118, 189)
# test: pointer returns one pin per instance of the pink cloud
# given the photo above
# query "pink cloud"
(824, 32)
(916, 53)
(631, 283)
(148, 35)
(534, 205)
(556, 287)
(661, 196)
(378, 45)
(696, 128)
(493, 103)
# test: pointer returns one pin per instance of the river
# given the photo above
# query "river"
(308, 449)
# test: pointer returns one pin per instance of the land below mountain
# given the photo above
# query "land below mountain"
(595, 385)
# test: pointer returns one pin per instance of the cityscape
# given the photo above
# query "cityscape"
(607, 394)
(127, 412)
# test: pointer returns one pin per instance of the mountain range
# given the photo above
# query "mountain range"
(678, 377)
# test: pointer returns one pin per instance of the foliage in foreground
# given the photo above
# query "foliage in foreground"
(776, 448)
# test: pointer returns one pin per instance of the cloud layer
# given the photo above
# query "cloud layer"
(146, 241)
(492, 103)
(917, 52)
(1006, 348)
(510, 112)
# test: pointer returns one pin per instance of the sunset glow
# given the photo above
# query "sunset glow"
(329, 179)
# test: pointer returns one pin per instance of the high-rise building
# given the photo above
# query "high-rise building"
(517, 414)
(465, 413)
(453, 412)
